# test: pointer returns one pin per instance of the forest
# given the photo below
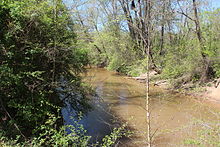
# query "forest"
(56, 56)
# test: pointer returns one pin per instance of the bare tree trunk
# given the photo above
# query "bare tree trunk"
(148, 5)
(206, 66)
(128, 17)
(162, 39)
(139, 26)
(198, 29)
(162, 30)
(147, 105)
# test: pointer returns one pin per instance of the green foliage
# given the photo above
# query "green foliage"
(37, 49)
(40, 60)
(114, 50)
(180, 55)
(137, 68)
(116, 63)
(51, 136)
(216, 68)
(182, 59)
(117, 133)
(211, 28)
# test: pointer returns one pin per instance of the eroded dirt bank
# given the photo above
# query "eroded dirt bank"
(209, 93)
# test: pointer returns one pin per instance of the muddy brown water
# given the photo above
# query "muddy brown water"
(174, 117)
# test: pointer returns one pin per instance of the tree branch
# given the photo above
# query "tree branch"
(186, 15)
(16, 126)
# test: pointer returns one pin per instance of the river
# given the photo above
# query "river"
(174, 117)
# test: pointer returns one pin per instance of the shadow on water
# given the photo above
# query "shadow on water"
(98, 122)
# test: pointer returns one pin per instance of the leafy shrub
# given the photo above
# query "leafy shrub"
(37, 49)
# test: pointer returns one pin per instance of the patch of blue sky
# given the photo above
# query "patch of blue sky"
(215, 3)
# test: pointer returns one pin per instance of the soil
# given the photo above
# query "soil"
(212, 93)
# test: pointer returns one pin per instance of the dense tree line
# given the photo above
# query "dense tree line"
(38, 52)
(182, 36)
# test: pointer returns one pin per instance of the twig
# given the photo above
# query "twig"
(16, 126)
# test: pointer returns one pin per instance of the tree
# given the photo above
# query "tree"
(38, 50)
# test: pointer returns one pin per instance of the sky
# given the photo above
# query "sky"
(215, 3)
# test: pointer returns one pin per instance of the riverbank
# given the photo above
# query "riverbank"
(209, 92)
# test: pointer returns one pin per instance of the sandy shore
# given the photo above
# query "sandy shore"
(212, 93)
